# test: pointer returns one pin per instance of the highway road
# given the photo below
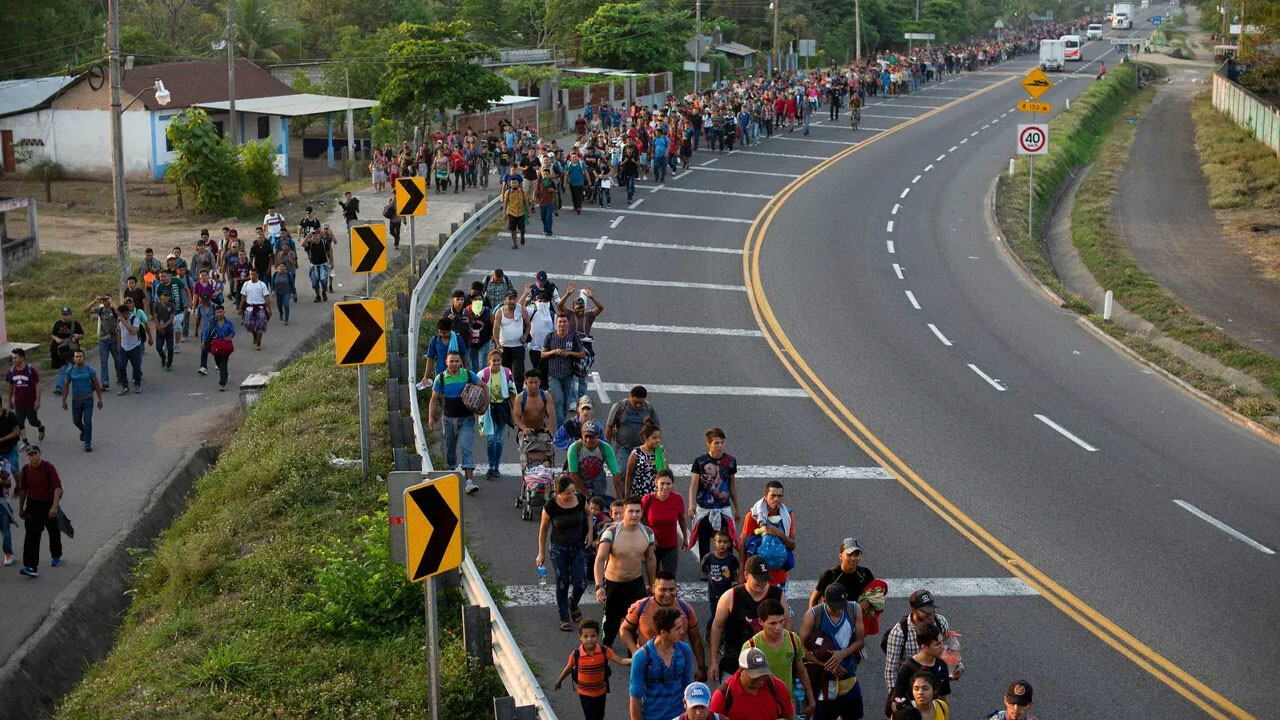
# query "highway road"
(1060, 499)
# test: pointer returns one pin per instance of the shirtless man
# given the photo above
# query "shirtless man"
(625, 566)
(533, 410)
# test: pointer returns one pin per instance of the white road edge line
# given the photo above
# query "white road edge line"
(1066, 433)
(599, 388)
(993, 382)
(534, 596)
(897, 270)
(682, 329)
(912, 297)
(942, 338)
(1224, 527)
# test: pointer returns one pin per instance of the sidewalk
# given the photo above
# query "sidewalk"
(139, 439)
(1162, 213)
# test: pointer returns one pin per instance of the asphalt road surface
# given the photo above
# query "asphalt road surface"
(1041, 469)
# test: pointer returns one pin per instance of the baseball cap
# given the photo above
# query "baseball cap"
(753, 662)
(585, 401)
(592, 427)
(849, 545)
(757, 566)
(1019, 693)
(542, 276)
(579, 302)
(697, 695)
(33, 450)
(835, 593)
(922, 599)
(66, 311)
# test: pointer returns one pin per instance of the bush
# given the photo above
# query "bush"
(205, 164)
(258, 163)
(359, 591)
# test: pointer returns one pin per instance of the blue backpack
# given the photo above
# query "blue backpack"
(771, 550)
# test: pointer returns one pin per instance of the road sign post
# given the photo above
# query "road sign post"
(1033, 140)
(363, 322)
(433, 543)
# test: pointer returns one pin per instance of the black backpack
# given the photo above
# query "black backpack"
(884, 641)
(608, 670)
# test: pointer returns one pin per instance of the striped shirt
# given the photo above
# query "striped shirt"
(561, 366)
(897, 648)
(591, 669)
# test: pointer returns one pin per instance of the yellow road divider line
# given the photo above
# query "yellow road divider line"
(1160, 667)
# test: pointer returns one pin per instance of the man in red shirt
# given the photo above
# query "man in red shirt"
(637, 628)
(39, 492)
(24, 393)
(753, 693)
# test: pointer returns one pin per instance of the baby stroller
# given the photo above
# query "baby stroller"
(537, 461)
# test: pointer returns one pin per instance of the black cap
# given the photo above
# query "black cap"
(835, 593)
(757, 566)
(66, 311)
(1019, 693)
(922, 599)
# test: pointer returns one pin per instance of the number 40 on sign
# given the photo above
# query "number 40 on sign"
(1033, 139)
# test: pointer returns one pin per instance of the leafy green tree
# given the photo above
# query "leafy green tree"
(174, 22)
(321, 20)
(258, 163)
(631, 36)
(40, 38)
(945, 18)
(144, 46)
(526, 76)
(204, 164)
(563, 17)
(431, 71)
(262, 33)
(488, 20)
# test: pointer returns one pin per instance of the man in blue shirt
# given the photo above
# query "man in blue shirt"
(84, 385)
(442, 343)
(661, 669)
(459, 421)
(660, 144)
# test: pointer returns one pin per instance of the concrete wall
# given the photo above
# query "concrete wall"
(1248, 110)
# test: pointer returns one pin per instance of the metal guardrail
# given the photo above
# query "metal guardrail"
(509, 661)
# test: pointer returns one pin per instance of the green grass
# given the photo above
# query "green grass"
(1242, 172)
(34, 295)
(272, 594)
(1097, 130)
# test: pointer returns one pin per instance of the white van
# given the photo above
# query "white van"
(1094, 32)
(1072, 50)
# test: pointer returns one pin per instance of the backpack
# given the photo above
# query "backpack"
(608, 671)
(684, 607)
(476, 398)
(770, 548)
(728, 697)
(884, 641)
(389, 210)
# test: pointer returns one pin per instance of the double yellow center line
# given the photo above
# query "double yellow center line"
(1182, 682)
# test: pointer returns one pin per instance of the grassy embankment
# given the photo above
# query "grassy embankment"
(34, 295)
(273, 594)
(1096, 130)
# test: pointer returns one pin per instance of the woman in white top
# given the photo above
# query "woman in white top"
(541, 323)
(254, 307)
(511, 330)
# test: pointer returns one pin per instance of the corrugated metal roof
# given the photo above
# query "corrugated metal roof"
(17, 96)
(734, 48)
(201, 81)
(293, 105)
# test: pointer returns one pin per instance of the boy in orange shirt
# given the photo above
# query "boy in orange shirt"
(589, 666)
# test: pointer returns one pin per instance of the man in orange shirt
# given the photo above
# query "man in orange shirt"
(637, 628)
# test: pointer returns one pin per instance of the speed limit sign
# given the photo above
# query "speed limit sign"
(1033, 139)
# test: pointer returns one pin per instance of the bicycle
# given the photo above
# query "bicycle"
(855, 117)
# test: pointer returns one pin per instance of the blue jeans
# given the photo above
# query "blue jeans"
(631, 187)
(282, 305)
(62, 378)
(5, 533)
(478, 356)
(547, 212)
(562, 390)
(459, 431)
(82, 417)
(660, 169)
(496, 443)
(131, 357)
(110, 349)
(570, 563)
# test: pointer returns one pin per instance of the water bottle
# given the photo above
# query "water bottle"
(542, 575)
(797, 692)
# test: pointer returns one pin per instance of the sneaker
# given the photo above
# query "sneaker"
(55, 562)
(124, 390)
(137, 388)
(106, 387)
(8, 560)
(203, 371)
(472, 488)
(41, 436)
(222, 388)
(493, 474)
(29, 572)
(167, 368)
(88, 447)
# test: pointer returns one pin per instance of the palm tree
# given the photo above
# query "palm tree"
(261, 33)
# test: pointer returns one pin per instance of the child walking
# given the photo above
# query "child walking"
(589, 666)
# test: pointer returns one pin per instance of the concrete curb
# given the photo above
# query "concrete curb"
(1034, 282)
(81, 625)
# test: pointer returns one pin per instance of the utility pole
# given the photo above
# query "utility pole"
(857, 30)
(697, 66)
(1226, 22)
(776, 54)
(231, 76)
(117, 142)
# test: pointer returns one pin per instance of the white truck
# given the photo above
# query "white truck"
(1094, 31)
(1123, 16)
(1053, 54)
